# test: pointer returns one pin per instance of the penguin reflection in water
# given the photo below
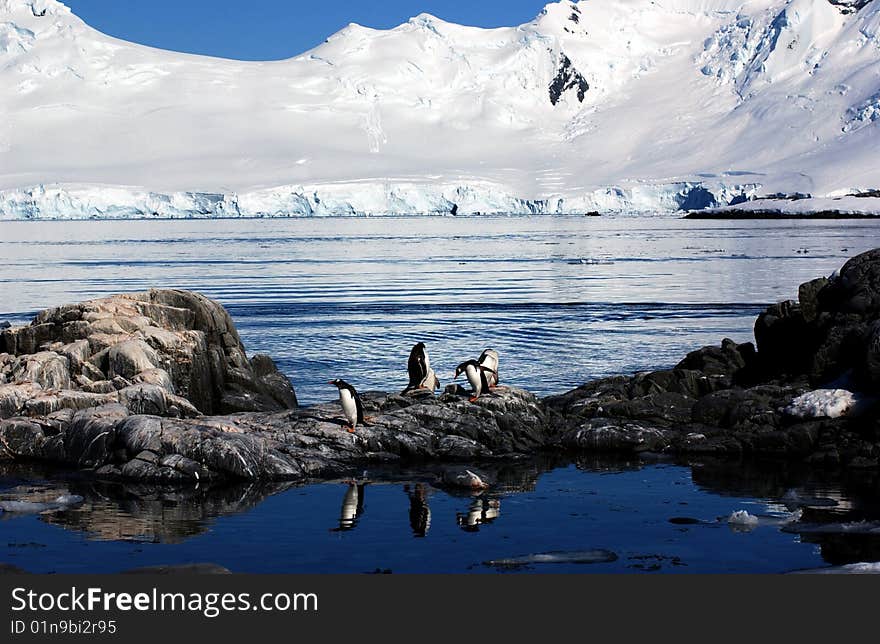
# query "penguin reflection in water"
(421, 376)
(419, 511)
(481, 512)
(352, 407)
(482, 374)
(352, 507)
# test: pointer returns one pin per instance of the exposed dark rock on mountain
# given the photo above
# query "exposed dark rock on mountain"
(568, 78)
(849, 6)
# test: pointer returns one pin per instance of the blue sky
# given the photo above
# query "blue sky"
(273, 29)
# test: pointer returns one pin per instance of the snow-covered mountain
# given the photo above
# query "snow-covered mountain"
(594, 105)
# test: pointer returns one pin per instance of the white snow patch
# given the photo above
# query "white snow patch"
(843, 205)
(822, 403)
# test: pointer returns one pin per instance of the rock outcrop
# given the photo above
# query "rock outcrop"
(745, 399)
(291, 445)
(164, 352)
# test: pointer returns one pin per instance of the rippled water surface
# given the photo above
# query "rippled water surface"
(562, 299)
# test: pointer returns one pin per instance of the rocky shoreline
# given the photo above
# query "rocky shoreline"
(157, 387)
(734, 213)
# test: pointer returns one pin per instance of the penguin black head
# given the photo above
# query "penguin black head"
(341, 384)
(464, 365)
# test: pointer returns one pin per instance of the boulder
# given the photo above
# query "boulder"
(808, 297)
(179, 341)
(872, 359)
(785, 340)
(856, 289)
(131, 357)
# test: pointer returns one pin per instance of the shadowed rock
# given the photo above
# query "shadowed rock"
(734, 398)
(290, 445)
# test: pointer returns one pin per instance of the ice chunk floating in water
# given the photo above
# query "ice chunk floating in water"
(573, 557)
(33, 507)
(741, 520)
(849, 569)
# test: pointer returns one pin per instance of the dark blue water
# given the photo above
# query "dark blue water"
(654, 517)
(563, 299)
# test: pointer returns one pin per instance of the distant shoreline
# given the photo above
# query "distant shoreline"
(775, 214)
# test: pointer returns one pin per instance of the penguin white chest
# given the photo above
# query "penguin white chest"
(431, 382)
(349, 407)
(473, 376)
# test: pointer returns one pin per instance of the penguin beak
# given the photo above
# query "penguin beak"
(330, 382)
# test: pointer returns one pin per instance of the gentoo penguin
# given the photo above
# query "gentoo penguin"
(476, 375)
(421, 376)
(489, 360)
(352, 406)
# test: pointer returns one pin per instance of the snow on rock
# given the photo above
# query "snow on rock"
(830, 206)
(600, 105)
(822, 403)
(863, 114)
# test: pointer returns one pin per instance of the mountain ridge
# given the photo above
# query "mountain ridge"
(596, 105)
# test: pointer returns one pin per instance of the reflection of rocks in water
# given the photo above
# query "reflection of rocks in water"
(840, 549)
(832, 504)
(482, 510)
(152, 513)
(793, 486)
(523, 476)
(37, 503)
(419, 511)
(608, 463)
(770, 478)
(352, 507)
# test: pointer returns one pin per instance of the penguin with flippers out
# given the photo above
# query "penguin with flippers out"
(489, 361)
(421, 375)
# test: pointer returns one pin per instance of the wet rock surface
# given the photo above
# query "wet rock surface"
(311, 442)
(157, 387)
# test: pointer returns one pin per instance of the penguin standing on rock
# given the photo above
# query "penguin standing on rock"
(421, 376)
(489, 361)
(476, 375)
(352, 406)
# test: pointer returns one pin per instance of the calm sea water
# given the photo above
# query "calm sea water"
(563, 299)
